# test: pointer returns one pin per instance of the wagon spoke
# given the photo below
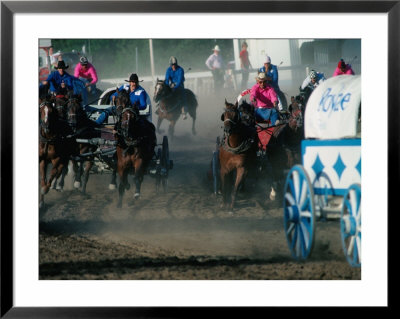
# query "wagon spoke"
(290, 199)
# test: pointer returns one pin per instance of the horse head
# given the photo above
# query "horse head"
(230, 117)
(161, 90)
(47, 116)
(122, 101)
(74, 111)
(296, 115)
(247, 114)
(129, 118)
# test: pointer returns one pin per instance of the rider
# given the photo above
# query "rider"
(343, 68)
(137, 95)
(174, 78)
(87, 73)
(60, 82)
(265, 100)
(271, 71)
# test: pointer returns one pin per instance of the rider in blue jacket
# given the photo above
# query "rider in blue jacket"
(137, 96)
(174, 78)
(60, 82)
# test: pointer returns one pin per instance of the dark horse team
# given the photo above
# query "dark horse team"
(251, 131)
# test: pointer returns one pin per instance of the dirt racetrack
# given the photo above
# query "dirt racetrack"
(180, 234)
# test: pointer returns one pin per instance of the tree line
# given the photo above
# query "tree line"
(121, 57)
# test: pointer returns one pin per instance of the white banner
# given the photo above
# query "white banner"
(332, 109)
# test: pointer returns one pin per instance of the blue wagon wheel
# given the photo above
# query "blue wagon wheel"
(299, 213)
(350, 225)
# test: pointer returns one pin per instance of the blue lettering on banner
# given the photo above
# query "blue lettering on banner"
(333, 102)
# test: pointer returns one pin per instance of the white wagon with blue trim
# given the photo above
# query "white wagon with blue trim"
(328, 183)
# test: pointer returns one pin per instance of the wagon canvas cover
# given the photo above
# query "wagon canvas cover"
(332, 109)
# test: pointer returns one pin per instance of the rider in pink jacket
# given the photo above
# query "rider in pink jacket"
(86, 71)
(343, 68)
(265, 100)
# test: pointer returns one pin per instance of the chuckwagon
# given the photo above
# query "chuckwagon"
(328, 183)
(105, 155)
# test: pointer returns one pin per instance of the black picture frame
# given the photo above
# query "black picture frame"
(9, 8)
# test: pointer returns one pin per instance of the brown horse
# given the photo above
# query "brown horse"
(51, 148)
(136, 140)
(170, 106)
(84, 128)
(279, 148)
(237, 151)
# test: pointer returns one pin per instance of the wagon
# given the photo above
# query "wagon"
(328, 183)
(105, 158)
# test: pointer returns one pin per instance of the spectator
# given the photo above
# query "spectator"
(216, 65)
(245, 65)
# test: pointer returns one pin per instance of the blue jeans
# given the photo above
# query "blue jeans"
(105, 113)
(264, 114)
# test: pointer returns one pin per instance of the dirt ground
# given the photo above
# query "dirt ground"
(180, 234)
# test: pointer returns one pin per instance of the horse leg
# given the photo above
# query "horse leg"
(43, 168)
(240, 173)
(123, 176)
(86, 173)
(225, 187)
(78, 174)
(138, 178)
(55, 170)
(59, 180)
(159, 120)
(113, 182)
(171, 129)
(193, 126)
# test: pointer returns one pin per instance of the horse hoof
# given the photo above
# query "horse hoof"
(112, 186)
(59, 189)
(77, 184)
(41, 205)
(137, 195)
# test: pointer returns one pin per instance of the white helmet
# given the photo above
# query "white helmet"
(313, 74)
(83, 60)
(173, 60)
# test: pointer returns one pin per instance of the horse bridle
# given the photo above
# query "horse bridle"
(234, 123)
(124, 128)
(45, 124)
(72, 117)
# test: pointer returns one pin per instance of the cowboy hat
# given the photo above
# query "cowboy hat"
(216, 48)
(133, 78)
(261, 77)
(61, 65)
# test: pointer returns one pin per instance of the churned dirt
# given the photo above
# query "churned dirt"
(180, 234)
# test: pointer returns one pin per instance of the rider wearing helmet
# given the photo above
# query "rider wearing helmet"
(87, 73)
(271, 71)
(313, 80)
(174, 78)
(265, 100)
(343, 68)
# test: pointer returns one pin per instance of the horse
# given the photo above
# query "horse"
(122, 101)
(170, 106)
(136, 141)
(279, 146)
(237, 151)
(50, 146)
(84, 128)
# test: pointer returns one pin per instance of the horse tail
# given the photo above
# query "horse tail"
(191, 103)
(191, 99)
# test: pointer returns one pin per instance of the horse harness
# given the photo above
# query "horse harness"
(246, 144)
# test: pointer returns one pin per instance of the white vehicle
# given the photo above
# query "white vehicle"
(328, 183)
